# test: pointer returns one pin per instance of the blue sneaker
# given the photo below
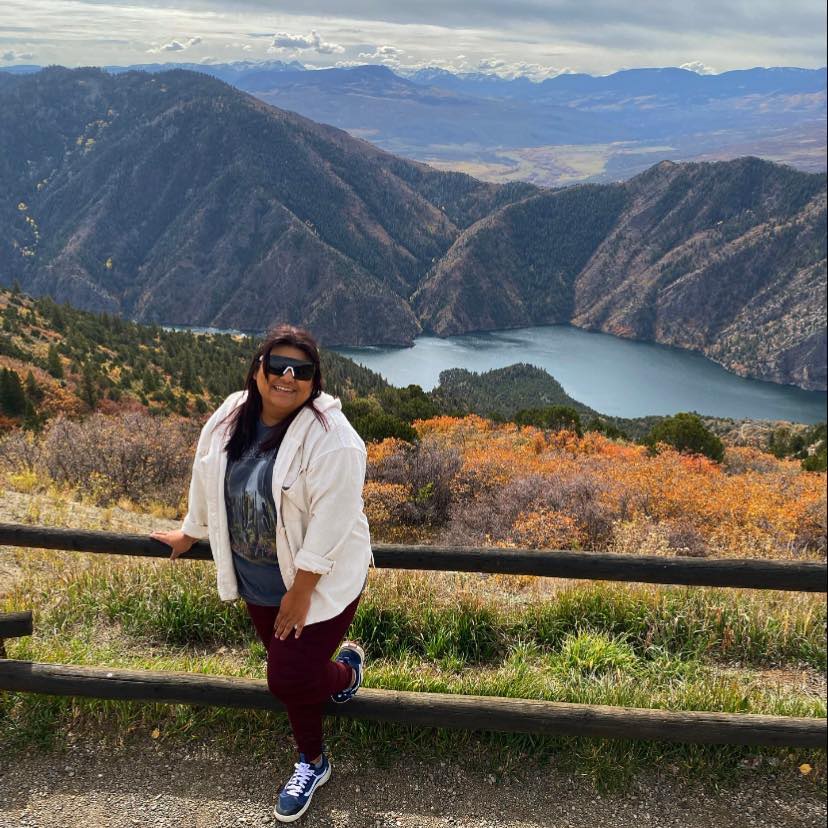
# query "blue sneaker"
(296, 795)
(354, 656)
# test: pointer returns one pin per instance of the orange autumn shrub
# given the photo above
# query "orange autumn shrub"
(521, 486)
(382, 502)
(547, 529)
(377, 452)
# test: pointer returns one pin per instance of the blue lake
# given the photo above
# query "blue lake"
(614, 376)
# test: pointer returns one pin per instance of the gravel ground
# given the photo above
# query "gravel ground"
(153, 784)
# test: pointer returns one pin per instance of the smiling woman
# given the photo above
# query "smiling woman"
(289, 535)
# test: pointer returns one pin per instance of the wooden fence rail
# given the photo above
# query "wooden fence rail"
(15, 624)
(801, 576)
(425, 709)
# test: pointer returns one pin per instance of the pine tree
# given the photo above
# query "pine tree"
(53, 363)
(12, 397)
(149, 380)
(189, 381)
(33, 391)
(89, 386)
(58, 319)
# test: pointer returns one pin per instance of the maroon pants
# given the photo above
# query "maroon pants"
(300, 672)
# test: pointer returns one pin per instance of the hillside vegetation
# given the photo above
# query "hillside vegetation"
(57, 362)
(73, 362)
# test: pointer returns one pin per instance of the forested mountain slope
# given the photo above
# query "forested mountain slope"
(175, 198)
(728, 259)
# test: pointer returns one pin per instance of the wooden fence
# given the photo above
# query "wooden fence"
(440, 709)
(797, 576)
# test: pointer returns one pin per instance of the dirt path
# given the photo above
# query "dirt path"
(152, 784)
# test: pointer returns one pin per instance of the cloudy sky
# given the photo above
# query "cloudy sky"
(538, 38)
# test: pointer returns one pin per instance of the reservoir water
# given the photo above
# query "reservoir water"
(612, 375)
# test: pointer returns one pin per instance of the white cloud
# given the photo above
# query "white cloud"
(11, 56)
(594, 36)
(505, 69)
(288, 41)
(386, 55)
(381, 52)
(176, 45)
(698, 67)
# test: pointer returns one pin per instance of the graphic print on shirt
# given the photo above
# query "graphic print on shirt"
(251, 511)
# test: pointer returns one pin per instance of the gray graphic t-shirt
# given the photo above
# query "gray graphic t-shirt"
(251, 519)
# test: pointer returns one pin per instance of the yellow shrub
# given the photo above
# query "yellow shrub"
(25, 481)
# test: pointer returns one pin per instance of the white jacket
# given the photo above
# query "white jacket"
(317, 488)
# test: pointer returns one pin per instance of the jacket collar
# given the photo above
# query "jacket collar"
(304, 421)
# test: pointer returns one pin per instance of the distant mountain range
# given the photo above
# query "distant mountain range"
(176, 198)
(568, 128)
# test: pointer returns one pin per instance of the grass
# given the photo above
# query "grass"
(631, 646)
(407, 614)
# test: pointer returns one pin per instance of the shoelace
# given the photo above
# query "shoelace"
(301, 775)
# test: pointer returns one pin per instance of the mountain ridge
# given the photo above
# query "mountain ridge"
(122, 215)
(175, 198)
(659, 260)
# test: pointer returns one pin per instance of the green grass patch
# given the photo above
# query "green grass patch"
(409, 614)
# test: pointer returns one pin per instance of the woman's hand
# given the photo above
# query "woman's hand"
(176, 540)
(293, 610)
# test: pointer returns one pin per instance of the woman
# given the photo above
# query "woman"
(277, 488)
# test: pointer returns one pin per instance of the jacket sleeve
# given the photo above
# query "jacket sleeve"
(334, 483)
(195, 521)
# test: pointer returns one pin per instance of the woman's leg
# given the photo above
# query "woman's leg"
(300, 673)
(263, 619)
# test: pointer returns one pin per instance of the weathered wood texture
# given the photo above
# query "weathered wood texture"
(425, 709)
(752, 574)
(15, 624)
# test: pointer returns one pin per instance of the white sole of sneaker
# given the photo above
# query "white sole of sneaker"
(293, 817)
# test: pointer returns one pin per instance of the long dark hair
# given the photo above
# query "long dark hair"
(243, 420)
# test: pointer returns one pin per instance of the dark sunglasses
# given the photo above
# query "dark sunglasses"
(280, 365)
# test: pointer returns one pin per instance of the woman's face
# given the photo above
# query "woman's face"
(281, 395)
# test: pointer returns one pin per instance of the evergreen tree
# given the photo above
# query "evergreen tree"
(687, 433)
(33, 391)
(53, 363)
(12, 396)
(149, 380)
(553, 417)
(189, 381)
(89, 387)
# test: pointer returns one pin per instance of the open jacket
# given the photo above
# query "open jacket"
(317, 488)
